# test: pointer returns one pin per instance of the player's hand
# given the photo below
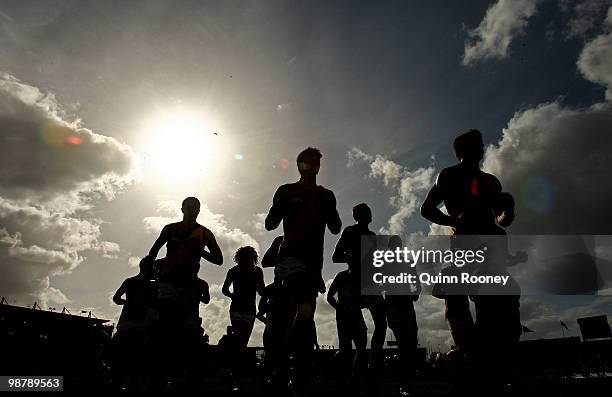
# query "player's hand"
(459, 224)
(322, 287)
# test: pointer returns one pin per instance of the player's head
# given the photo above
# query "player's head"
(145, 266)
(362, 214)
(469, 147)
(190, 208)
(246, 256)
(309, 161)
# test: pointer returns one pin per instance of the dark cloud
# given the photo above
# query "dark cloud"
(587, 16)
(44, 156)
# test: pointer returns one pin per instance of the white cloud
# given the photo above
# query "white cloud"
(258, 223)
(134, 261)
(595, 61)
(554, 160)
(53, 296)
(53, 171)
(504, 20)
(408, 187)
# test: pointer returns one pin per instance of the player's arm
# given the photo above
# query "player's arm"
(271, 255)
(117, 298)
(430, 210)
(260, 286)
(158, 244)
(262, 308)
(275, 215)
(204, 291)
(331, 294)
(334, 223)
(339, 252)
(214, 254)
(504, 210)
(229, 279)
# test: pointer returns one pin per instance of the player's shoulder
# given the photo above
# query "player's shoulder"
(206, 231)
(284, 191)
(172, 226)
(349, 229)
(490, 179)
(324, 190)
(326, 193)
(287, 187)
(450, 171)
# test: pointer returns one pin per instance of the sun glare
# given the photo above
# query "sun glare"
(182, 146)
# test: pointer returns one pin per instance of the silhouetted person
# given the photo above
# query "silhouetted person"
(246, 281)
(349, 322)
(305, 209)
(263, 315)
(476, 206)
(349, 250)
(278, 312)
(131, 342)
(273, 310)
(498, 321)
(401, 318)
(180, 290)
(472, 197)
(457, 311)
(140, 295)
(203, 291)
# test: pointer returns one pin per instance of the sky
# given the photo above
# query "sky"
(112, 112)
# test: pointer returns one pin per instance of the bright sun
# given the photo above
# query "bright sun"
(182, 146)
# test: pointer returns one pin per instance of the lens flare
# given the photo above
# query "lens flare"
(74, 140)
(538, 194)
